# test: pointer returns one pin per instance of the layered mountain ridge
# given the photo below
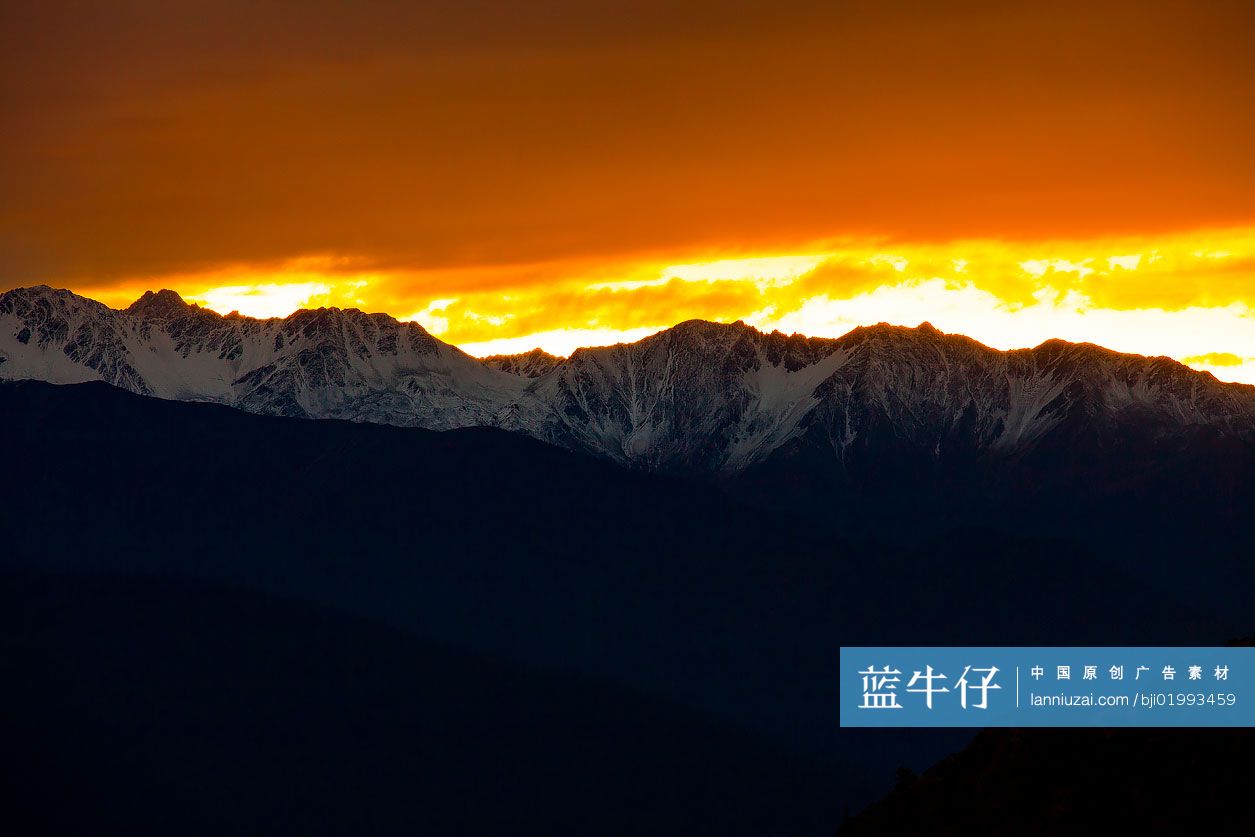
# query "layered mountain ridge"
(700, 397)
(325, 363)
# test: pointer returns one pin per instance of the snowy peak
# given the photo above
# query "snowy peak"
(530, 364)
(701, 397)
(705, 397)
(163, 304)
(708, 396)
(323, 363)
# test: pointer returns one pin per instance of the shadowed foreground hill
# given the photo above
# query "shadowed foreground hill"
(886, 433)
(145, 706)
(1073, 781)
(501, 548)
(1082, 781)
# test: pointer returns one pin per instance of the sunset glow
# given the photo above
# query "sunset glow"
(568, 417)
(599, 172)
(1189, 296)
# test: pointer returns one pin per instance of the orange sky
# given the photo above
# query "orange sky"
(540, 173)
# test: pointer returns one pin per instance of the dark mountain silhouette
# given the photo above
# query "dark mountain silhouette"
(699, 398)
(496, 546)
(887, 433)
(144, 706)
(1076, 781)
(1067, 781)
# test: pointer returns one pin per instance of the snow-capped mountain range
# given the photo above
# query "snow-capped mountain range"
(700, 397)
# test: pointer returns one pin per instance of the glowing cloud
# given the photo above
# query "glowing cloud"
(432, 317)
(1215, 359)
(768, 270)
(1189, 296)
(267, 300)
(560, 342)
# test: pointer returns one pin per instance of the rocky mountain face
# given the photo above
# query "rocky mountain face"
(699, 398)
(327, 363)
(1086, 497)
(704, 397)
(531, 364)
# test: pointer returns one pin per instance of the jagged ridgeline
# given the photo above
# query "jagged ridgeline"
(701, 397)
(887, 487)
